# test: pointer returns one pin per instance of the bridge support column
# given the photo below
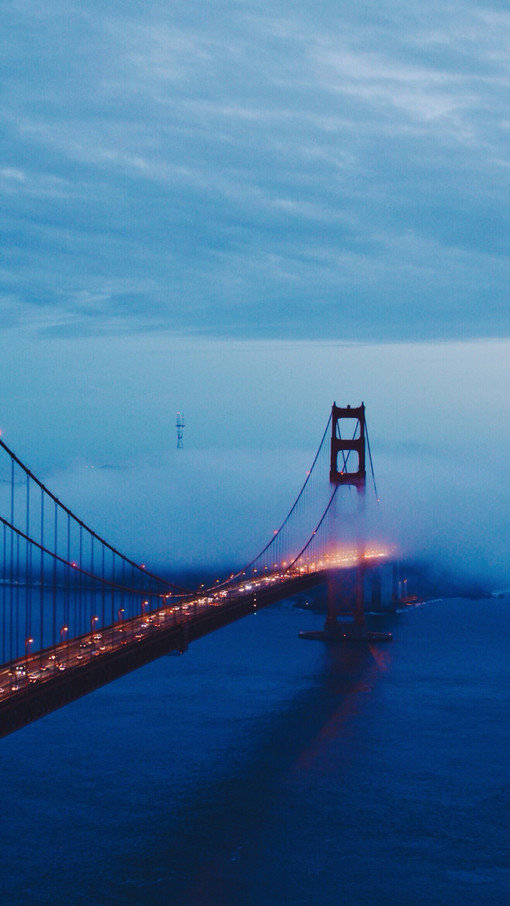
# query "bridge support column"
(350, 590)
(352, 474)
(346, 603)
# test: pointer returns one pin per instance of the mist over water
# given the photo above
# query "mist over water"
(95, 420)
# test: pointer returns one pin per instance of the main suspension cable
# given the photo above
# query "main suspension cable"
(371, 463)
(79, 522)
(278, 531)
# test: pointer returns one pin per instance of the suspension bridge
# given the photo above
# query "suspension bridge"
(76, 613)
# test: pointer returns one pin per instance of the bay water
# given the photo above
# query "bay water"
(261, 769)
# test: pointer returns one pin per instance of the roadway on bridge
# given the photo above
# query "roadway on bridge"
(74, 653)
(38, 668)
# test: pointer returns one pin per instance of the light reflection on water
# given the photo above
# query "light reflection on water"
(259, 768)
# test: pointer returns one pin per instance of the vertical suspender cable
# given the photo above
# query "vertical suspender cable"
(68, 578)
(55, 545)
(92, 584)
(41, 577)
(371, 464)
(11, 602)
(112, 614)
(16, 640)
(4, 573)
(122, 604)
(28, 583)
(80, 584)
(103, 615)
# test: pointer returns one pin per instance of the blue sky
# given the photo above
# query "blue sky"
(246, 211)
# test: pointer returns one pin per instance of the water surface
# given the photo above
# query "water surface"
(259, 769)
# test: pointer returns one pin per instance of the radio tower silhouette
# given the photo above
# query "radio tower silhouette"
(179, 424)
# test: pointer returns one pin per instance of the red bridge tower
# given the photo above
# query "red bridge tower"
(348, 468)
(356, 444)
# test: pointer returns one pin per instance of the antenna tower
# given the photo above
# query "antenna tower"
(179, 424)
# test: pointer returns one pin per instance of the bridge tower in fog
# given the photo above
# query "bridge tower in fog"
(356, 477)
(348, 468)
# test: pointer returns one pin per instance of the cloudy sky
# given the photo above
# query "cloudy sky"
(245, 169)
(205, 205)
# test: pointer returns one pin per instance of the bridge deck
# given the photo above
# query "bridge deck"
(34, 686)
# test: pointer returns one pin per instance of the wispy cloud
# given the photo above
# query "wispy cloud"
(336, 171)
